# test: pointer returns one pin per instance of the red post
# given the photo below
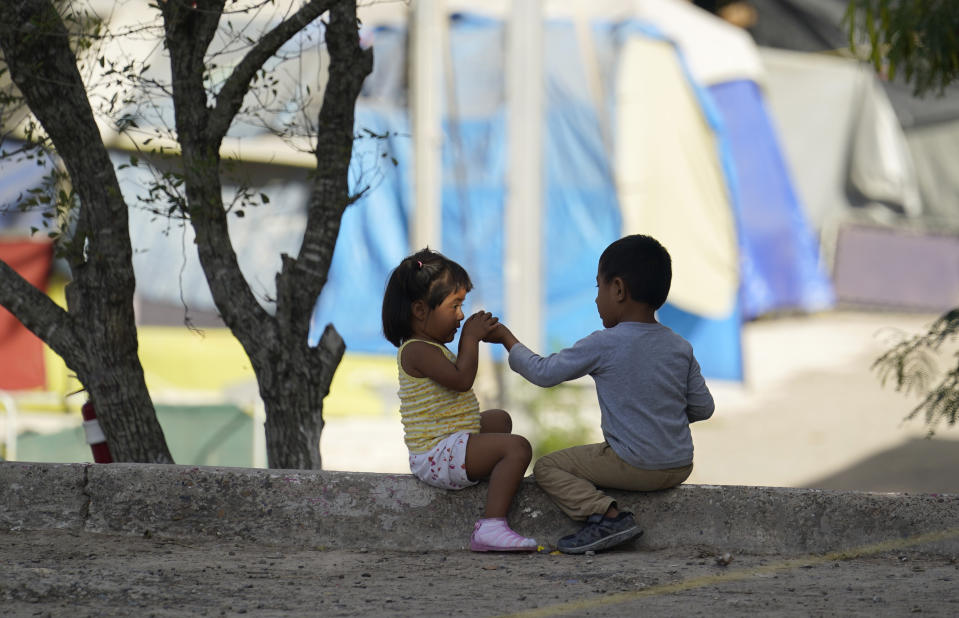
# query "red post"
(95, 437)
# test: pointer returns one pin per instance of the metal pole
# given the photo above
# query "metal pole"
(426, 89)
(259, 435)
(10, 406)
(523, 268)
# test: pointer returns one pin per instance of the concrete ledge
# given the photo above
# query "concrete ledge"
(396, 512)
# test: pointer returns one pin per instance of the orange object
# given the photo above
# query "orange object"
(21, 352)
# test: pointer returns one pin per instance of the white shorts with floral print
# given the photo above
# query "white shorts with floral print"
(443, 466)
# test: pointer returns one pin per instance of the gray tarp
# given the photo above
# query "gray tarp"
(930, 122)
(848, 153)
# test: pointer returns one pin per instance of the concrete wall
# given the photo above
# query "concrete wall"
(396, 512)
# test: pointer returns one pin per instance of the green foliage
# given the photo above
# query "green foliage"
(912, 365)
(559, 415)
(133, 97)
(132, 94)
(54, 196)
(917, 38)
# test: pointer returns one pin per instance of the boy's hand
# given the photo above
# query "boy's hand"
(496, 334)
(501, 334)
(479, 325)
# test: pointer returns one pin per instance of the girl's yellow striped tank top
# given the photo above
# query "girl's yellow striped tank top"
(430, 411)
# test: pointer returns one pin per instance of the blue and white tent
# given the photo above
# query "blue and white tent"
(654, 121)
(681, 146)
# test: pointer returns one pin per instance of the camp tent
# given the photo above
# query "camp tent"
(872, 161)
(696, 163)
(615, 71)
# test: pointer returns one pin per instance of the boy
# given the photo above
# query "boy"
(649, 387)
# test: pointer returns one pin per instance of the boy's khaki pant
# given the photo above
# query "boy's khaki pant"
(571, 477)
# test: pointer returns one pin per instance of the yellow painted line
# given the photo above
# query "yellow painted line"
(729, 576)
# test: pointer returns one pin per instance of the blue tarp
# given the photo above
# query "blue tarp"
(778, 252)
(581, 208)
(18, 175)
(779, 255)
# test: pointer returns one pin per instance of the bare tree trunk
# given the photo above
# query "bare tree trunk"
(293, 378)
(96, 336)
(301, 281)
(293, 393)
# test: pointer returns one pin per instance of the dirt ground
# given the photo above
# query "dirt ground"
(57, 573)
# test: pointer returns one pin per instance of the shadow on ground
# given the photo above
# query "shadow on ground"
(916, 466)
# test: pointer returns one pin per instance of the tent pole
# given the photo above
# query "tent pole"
(523, 268)
(426, 88)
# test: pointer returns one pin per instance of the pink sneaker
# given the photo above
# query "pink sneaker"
(494, 534)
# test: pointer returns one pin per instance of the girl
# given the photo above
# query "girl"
(452, 444)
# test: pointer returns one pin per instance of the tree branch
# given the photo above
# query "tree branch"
(36, 48)
(189, 29)
(230, 98)
(37, 312)
(188, 35)
(302, 280)
(43, 67)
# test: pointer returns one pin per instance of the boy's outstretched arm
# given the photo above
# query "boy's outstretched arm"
(566, 365)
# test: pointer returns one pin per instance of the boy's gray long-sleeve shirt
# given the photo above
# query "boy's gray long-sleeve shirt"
(648, 383)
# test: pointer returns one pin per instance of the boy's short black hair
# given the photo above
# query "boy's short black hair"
(426, 275)
(644, 266)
